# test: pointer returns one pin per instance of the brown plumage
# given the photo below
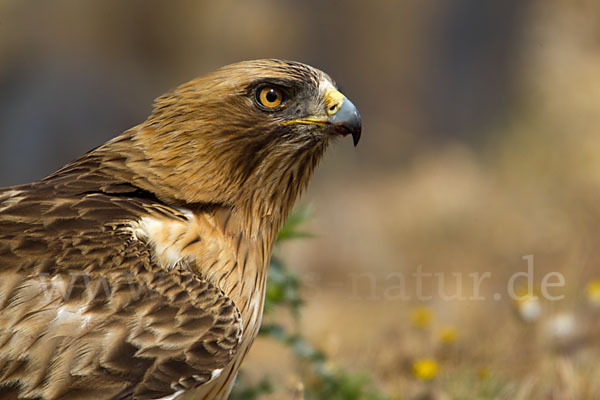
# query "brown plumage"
(138, 270)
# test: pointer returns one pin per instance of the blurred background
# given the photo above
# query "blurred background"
(480, 146)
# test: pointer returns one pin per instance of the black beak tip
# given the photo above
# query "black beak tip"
(356, 138)
(357, 130)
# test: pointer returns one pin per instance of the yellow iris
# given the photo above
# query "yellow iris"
(270, 96)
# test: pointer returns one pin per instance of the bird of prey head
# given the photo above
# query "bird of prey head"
(138, 270)
(246, 132)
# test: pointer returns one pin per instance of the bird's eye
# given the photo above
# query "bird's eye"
(269, 96)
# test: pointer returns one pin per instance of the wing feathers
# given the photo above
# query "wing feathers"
(86, 313)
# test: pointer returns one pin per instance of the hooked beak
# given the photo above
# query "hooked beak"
(342, 116)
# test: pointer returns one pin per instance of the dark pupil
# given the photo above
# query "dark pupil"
(271, 96)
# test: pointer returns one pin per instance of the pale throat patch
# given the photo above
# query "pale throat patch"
(175, 240)
(168, 238)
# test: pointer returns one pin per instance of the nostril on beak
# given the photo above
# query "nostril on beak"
(333, 101)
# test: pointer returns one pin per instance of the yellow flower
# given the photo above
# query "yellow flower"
(593, 292)
(425, 368)
(421, 317)
(448, 334)
(483, 373)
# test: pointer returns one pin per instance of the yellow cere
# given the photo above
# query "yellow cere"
(333, 100)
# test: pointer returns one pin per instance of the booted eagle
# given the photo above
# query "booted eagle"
(138, 270)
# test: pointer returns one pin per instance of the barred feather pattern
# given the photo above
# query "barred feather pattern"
(103, 319)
